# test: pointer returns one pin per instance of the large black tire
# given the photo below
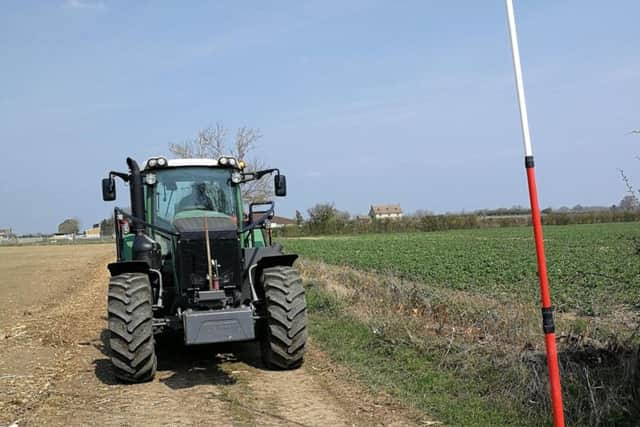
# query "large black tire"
(284, 336)
(133, 355)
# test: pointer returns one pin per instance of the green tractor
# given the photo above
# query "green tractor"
(192, 261)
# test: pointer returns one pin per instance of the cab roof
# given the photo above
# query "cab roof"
(186, 162)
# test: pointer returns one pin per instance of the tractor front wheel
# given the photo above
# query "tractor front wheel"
(285, 333)
(133, 355)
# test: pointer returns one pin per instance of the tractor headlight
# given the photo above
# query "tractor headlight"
(236, 177)
(162, 162)
(232, 162)
(223, 161)
(153, 163)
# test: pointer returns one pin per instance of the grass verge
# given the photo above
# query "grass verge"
(467, 359)
(408, 374)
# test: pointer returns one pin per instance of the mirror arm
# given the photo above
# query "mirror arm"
(262, 173)
(252, 176)
(122, 175)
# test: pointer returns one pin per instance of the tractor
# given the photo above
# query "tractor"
(192, 261)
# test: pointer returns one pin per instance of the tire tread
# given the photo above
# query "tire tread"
(285, 335)
(130, 317)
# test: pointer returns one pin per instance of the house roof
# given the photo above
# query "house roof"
(386, 209)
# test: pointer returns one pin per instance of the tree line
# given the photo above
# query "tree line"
(325, 218)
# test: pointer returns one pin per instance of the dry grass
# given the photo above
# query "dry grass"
(498, 343)
(45, 289)
(31, 276)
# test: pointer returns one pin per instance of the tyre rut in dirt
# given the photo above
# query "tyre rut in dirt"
(285, 334)
(131, 340)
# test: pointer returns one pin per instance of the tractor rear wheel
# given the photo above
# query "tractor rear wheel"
(285, 334)
(133, 355)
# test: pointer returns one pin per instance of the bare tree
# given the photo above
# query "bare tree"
(212, 142)
(627, 181)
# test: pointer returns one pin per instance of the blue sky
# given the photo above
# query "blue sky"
(359, 102)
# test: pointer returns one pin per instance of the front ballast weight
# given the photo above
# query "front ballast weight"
(189, 261)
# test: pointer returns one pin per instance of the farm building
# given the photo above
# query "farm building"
(61, 237)
(385, 212)
(279, 222)
(93, 232)
(362, 218)
(5, 233)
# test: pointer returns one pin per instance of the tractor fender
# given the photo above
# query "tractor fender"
(265, 257)
(274, 260)
(257, 259)
(116, 268)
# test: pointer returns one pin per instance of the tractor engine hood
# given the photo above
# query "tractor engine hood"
(197, 224)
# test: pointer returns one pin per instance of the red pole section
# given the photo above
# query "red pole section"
(547, 311)
(536, 221)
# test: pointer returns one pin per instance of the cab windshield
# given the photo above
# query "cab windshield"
(193, 191)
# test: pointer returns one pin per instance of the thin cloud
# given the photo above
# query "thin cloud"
(85, 4)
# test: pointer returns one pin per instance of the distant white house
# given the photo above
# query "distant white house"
(385, 212)
(279, 222)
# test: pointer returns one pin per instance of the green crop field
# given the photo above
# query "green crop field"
(591, 267)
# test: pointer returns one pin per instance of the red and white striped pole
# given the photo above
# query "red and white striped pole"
(547, 310)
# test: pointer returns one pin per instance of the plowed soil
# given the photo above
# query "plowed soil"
(55, 369)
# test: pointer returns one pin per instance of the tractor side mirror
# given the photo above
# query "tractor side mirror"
(280, 185)
(108, 189)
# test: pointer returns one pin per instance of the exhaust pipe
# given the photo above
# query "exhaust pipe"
(137, 195)
(144, 248)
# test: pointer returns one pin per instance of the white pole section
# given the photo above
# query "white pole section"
(515, 53)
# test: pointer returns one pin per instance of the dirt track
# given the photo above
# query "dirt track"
(54, 367)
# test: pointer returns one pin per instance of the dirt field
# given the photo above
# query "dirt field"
(54, 367)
